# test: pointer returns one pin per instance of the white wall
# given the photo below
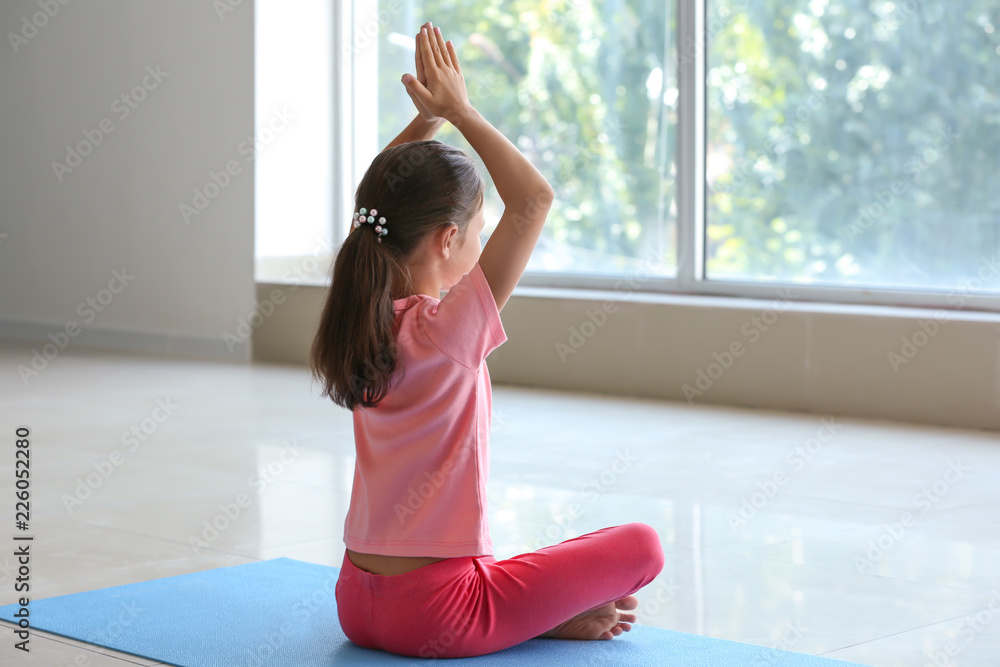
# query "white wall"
(826, 359)
(118, 209)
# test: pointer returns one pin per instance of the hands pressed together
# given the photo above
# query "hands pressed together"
(438, 90)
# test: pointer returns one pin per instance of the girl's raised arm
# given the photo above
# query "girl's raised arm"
(419, 129)
(526, 195)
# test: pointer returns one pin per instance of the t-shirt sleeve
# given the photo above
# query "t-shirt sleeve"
(465, 324)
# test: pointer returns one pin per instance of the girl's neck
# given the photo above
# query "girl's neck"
(417, 285)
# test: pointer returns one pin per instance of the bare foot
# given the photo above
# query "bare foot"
(604, 622)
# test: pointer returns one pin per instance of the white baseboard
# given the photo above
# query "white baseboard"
(52, 339)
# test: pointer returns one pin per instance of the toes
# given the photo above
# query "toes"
(629, 602)
(628, 618)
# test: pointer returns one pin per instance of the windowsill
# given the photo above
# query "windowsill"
(876, 301)
(752, 303)
(722, 301)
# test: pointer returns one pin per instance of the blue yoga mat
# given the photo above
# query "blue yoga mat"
(283, 612)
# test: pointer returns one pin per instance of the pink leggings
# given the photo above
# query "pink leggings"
(472, 605)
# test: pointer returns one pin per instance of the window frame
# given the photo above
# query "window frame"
(355, 133)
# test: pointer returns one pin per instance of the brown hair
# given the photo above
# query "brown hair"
(418, 187)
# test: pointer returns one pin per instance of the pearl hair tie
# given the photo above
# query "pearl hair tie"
(364, 215)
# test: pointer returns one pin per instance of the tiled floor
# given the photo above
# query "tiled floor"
(779, 529)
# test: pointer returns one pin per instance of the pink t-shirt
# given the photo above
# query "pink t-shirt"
(423, 451)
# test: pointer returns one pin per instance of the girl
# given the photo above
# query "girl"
(418, 576)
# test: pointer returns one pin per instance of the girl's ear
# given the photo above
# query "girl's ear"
(448, 240)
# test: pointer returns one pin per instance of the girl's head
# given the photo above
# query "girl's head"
(430, 194)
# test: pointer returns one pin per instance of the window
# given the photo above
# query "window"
(292, 147)
(844, 149)
(853, 142)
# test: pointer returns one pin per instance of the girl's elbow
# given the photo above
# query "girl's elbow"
(549, 192)
(546, 195)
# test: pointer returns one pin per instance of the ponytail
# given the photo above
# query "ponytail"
(356, 338)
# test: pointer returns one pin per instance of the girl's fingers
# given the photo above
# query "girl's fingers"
(434, 50)
(424, 45)
(439, 39)
(454, 57)
(417, 90)
(418, 93)
(421, 77)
